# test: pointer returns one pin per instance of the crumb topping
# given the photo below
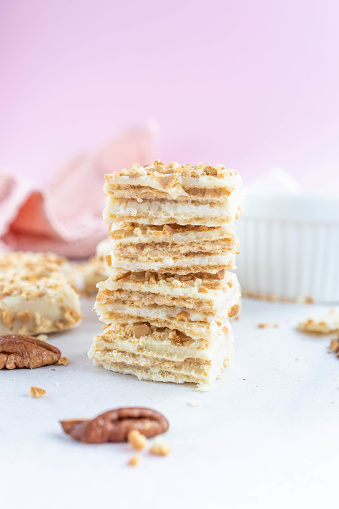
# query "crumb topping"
(166, 175)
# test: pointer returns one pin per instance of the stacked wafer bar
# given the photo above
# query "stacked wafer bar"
(166, 307)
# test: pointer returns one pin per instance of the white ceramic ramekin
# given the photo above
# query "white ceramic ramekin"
(289, 247)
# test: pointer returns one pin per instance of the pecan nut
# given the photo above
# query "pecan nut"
(114, 425)
(20, 351)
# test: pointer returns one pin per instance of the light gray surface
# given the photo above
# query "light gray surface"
(270, 440)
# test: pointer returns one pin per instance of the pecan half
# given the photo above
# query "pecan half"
(19, 351)
(114, 425)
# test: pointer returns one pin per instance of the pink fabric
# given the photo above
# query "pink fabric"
(66, 216)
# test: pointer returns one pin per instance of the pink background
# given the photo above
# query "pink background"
(252, 84)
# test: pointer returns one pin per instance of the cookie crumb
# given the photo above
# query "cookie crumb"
(137, 440)
(277, 325)
(160, 448)
(134, 461)
(263, 325)
(194, 402)
(63, 361)
(36, 392)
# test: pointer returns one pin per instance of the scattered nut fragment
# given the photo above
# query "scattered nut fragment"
(141, 330)
(263, 325)
(234, 311)
(19, 351)
(36, 392)
(134, 461)
(137, 440)
(160, 448)
(277, 325)
(194, 402)
(42, 337)
(114, 425)
(63, 361)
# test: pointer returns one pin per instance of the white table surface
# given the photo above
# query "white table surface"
(267, 436)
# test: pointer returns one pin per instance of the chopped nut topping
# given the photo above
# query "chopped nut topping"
(117, 234)
(202, 289)
(141, 330)
(221, 274)
(183, 315)
(263, 325)
(24, 316)
(156, 233)
(8, 318)
(160, 447)
(168, 230)
(137, 440)
(71, 316)
(134, 461)
(234, 310)
(63, 361)
(225, 329)
(36, 392)
(137, 232)
(59, 324)
(212, 285)
(168, 181)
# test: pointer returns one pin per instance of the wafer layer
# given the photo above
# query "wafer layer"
(160, 212)
(186, 248)
(161, 354)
